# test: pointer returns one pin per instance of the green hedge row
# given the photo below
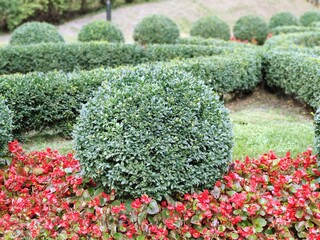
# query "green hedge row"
(304, 40)
(53, 99)
(86, 56)
(317, 133)
(5, 127)
(292, 29)
(297, 73)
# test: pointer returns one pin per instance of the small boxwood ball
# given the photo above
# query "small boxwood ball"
(283, 19)
(156, 29)
(309, 17)
(154, 131)
(251, 28)
(34, 33)
(211, 27)
(5, 126)
(100, 30)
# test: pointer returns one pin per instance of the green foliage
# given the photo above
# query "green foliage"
(67, 57)
(211, 27)
(34, 33)
(156, 131)
(283, 19)
(5, 126)
(53, 100)
(251, 28)
(305, 41)
(292, 29)
(100, 30)
(317, 128)
(309, 17)
(297, 73)
(156, 29)
(15, 12)
(315, 24)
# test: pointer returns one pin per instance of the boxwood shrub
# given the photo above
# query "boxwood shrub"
(315, 24)
(292, 29)
(35, 32)
(317, 133)
(53, 99)
(283, 19)
(154, 131)
(309, 17)
(5, 126)
(251, 28)
(297, 73)
(210, 27)
(156, 29)
(100, 30)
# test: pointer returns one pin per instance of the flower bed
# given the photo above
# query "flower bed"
(42, 194)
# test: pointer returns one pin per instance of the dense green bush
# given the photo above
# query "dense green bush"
(309, 17)
(53, 99)
(100, 30)
(5, 126)
(154, 131)
(67, 57)
(251, 28)
(35, 32)
(301, 40)
(156, 29)
(210, 27)
(297, 73)
(315, 24)
(292, 29)
(317, 133)
(283, 19)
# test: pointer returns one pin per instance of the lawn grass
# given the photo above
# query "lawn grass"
(257, 129)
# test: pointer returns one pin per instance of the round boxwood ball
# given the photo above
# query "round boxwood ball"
(35, 32)
(283, 19)
(154, 131)
(5, 126)
(251, 28)
(156, 29)
(100, 30)
(211, 27)
(309, 17)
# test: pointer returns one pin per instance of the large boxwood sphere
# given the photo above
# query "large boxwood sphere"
(154, 131)
(35, 32)
(251, 28)
(5, 126)
(156, 29)
(283, 19)
(309, 17)
(100, 30)
(210, 27)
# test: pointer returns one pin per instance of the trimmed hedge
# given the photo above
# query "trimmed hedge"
(53, 99)
(210, 27)
(309, 17)
(154, 131)
(297, 73)
(34, 33)
(5, 127)
(100, 30)
(317, 132)
(292, 29)
(251, 28)
(86, 56)
(156, 29)
(283, 19)
(316, 24)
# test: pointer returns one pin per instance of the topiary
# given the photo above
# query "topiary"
(156, 29)
(251, 28)
(35, 32)
(309, 17)
(283, 19)
(211, 27)
(317, 133)
(154, 131)
(100, 30)
(5, 126)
